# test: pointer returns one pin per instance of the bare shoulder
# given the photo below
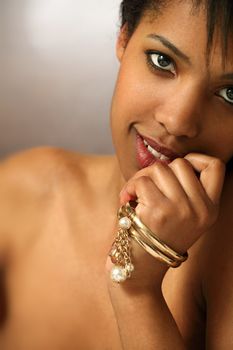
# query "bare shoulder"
(28, 181)
(36, 163)
(217, 274)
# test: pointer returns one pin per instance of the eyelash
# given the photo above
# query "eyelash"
(155, 67)
(226, 88)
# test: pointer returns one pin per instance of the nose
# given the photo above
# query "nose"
(181, 112)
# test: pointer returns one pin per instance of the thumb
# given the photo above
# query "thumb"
(212, 173)
(125, 196)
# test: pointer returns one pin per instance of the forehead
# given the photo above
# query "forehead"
(186, 24)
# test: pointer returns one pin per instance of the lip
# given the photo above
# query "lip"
(160, 148)
(143, 156)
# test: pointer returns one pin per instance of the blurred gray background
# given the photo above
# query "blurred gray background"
(57, 73)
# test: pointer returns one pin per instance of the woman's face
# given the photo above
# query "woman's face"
(167, 95)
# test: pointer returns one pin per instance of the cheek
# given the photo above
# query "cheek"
(219, 131)
(135, 95)
(130, 92)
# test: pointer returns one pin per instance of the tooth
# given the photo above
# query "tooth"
(154, 152)
(163, 157)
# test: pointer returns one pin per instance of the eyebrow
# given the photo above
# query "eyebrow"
(170, 46)
(227, 76)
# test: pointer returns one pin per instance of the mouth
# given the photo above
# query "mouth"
(148, 152)
(155, 153)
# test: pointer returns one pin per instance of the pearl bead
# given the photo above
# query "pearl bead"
(129, 267)
(118, 274)
(125, 223)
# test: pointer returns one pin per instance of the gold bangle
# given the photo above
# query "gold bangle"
(131, 226)
(147, 233)
(149, 248)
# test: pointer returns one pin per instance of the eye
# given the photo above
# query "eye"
(227, 94)
(160, 61)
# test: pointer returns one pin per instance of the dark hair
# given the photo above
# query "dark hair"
(219, 13)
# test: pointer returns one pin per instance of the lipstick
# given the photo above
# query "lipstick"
(165, 151)
(149, 151)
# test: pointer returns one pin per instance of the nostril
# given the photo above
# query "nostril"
(180, 126)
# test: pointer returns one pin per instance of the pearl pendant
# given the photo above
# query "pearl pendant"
(129, 268)
(125, 223)
(118, 274)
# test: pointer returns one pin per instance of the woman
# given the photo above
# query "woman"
(172, 125)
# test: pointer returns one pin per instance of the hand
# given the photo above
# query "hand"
(174, 203)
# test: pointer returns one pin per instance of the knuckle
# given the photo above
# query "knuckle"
(156, 167)
(143, 181)
(160, 217)
(177, 161)
(204, 217)
(185, 211)
(153, 219)
(204, 220)
(140, 211)
(180, 162)
(218, 164)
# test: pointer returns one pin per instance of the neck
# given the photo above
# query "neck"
(114, 184)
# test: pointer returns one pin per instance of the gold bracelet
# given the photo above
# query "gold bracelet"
(129, 225)
(149, 248)
(147, 233)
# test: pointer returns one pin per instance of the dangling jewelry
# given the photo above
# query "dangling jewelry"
(121, 251)
(130, 226)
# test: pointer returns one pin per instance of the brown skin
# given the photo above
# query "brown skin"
(58, 216)
(184, 108)
(54, 254)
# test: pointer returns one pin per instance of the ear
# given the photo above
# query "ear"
(122, 41)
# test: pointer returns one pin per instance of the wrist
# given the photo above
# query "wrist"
(146, 278)
(133, 293)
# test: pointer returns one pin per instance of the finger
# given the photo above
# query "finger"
(142, 188)
(188, 179)
(165, 180)
(212, 173)
(126, 196)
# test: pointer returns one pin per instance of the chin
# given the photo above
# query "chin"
(127, 168)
